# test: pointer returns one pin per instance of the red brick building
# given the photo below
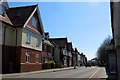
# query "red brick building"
(22, 34)
(47, 49)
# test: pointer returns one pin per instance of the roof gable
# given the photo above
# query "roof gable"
(40, 25)
(60, 42)
(19, 15)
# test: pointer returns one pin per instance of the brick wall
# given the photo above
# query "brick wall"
(32, 65)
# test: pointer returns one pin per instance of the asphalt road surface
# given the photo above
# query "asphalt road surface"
(80, 72)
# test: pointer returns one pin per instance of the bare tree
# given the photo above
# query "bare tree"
(101, 53)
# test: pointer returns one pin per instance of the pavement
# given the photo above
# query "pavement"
(37, 72)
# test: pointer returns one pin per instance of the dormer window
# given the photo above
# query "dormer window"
(34, 21)
(2, 10)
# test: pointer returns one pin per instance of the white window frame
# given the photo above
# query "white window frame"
(28, 38)
(37, 58)
(27, 56)
(46, 59)
(65, 52)
(34, 21)
(65, 62)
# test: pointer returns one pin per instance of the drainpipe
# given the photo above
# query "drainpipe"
(4, 35)
(15, 66)
(16, 38)
(4, 39)
(3, 48)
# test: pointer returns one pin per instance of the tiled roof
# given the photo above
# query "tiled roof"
(60, 42)
(5, 19)
(19, 15)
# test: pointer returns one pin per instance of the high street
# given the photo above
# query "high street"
(80, 72)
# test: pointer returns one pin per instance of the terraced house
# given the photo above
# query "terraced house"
(62, 44)
(22, 34)
(69, 60)
(47, 50)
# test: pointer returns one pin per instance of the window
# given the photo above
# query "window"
(38, 42)
(70, 62)
(65, 62)
(45, 47)
(34, 21)
(43, 58)
(46, 59)
(37, 58)
(28, 37)
(49, 57)
(64, 51)
(42, 47)
(27, 56)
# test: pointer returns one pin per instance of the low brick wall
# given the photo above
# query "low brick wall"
(30, 67)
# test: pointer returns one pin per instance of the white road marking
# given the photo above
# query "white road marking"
(94, 73)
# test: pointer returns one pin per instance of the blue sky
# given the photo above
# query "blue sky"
(85, 24)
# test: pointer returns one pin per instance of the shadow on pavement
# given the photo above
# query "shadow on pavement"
(108, 78)
(112, 78)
